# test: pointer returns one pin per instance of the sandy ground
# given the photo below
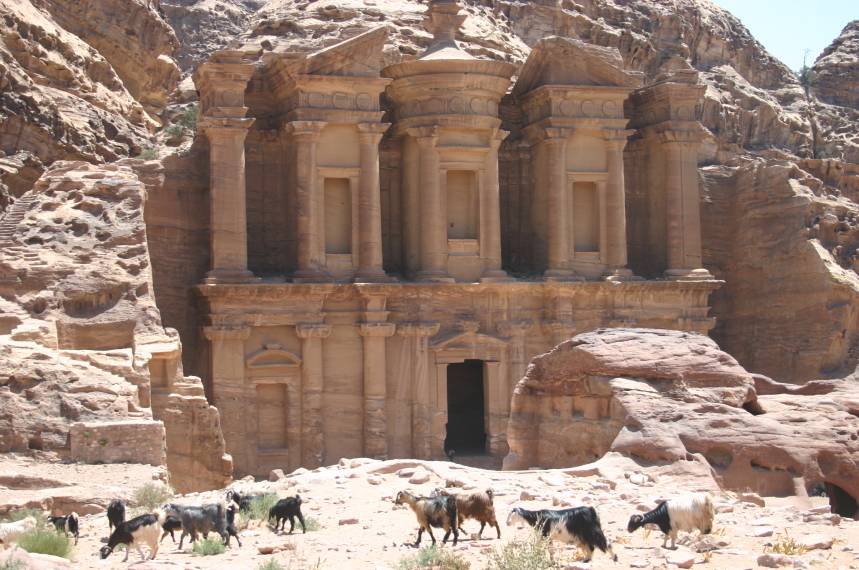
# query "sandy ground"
(382, 534)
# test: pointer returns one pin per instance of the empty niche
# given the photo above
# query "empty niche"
(271, 416)
(462, 207)
(338, 216)
(585, 217)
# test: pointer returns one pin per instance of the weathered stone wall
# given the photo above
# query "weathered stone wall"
(119, 442)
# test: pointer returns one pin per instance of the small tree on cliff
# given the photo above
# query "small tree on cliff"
(807, 76)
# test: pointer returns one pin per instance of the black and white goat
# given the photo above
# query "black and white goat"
(115, 513)
(438, 512)
(69, 524)
(288, 508)
(141, 530)
(170, 525)
(201, 520)
(580, 526)
(684, 514)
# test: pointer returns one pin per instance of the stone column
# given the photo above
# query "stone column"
(227, 203)
(305, 134)
(421, 409)
(683, 205)
(313, 438)
(375, 388)
(369, 207)
(515, 331)
(434, 252)
(559, 207)
(232, 396)
(615, 220)
(490, 215)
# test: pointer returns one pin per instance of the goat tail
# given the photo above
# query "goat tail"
(222, 507)
(161, 514)
(489, 494)
(711, 514)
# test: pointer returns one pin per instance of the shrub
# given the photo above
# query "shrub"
(208, 547)
(186, 125)
(522, 555)
(434, 557)
(148, 154)
(21, 514)
(44, 540)
(270, 564)
(261, 504)
(152, 495)
(311, 524)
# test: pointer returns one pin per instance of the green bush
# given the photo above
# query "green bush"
(310, 524)
(522, 555)
(45, 540)
(152, 495)
(434, 557)
(184, 126)
(208, 547)
(148, 154)
(270, 564)
(21, 514)
(261, 504)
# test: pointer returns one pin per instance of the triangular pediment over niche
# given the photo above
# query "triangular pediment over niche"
(356, 57)
(562, 61)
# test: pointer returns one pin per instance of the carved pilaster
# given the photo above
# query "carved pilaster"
(313, 439)
(422, 435)
(375, 388)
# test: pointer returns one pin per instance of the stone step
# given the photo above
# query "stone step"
(16, 213)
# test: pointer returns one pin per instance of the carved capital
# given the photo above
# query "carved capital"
(558, 328)
(467, 326)
(224, 128)
(418, 329)
(376, 329)
(226, 333)
(377, 128)
(305, 131)
(427, 136)
(514, 328)
(312, 331)
(680, 140)
(555, 136)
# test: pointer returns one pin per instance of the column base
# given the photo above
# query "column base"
(311, 276)
(434, 276)
(495, 276)
(689, 275)
(229, 276)
(620, 274)
(372, 276)
(562, 276)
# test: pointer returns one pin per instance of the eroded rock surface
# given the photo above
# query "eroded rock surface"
(82, 339)
(660, 397)
(837, 69)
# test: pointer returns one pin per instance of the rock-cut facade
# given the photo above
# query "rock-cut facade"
(365, 296)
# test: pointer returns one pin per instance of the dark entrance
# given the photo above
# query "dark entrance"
(466, 434)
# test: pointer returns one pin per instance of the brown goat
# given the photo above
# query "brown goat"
(477, 506)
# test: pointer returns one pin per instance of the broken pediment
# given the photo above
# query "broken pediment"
(471, 344)
(356, 57)
(272, 356)
(562, 61)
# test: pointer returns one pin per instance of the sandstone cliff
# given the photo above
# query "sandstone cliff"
(837, 69)
(661, 396)
(81, 336)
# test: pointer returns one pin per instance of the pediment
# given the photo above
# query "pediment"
(562, 61)
(272, 356)
(356, 57)
(467, 341)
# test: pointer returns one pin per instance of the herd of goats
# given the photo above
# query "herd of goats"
(579, 526)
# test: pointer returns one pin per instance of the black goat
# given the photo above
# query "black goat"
(439, 512)
(580, 526)
(288, 508)
(243, 501)
(232, 509)
(201, 520)
(115, 513)
(171, 524)
(69, 524)
(139, 530)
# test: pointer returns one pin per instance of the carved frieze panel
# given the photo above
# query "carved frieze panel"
(448, 105)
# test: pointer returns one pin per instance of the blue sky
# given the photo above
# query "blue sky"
(786, 28)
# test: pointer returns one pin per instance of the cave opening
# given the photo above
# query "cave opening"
(840, 501)
(35, 442)
(466, 430)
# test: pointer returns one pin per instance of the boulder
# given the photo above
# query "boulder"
(775, 560)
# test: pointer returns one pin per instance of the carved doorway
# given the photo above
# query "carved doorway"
(466, 428)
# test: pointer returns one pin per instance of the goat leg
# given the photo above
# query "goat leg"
(301, 520)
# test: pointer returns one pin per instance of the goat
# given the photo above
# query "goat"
(69, 524)
(290, 508)
(201, 520)
(580, 526)
(115, 513)
(439, 512)
(477, 506)
(243, 501)
(171, 523)
(231, 524)
(144, 529)
(9, 532)
(686, 514)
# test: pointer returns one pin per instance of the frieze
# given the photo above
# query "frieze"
(449, 106)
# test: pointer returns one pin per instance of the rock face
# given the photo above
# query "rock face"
(667, 396)
(82, 338)
(837, 69)
(133, 38)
